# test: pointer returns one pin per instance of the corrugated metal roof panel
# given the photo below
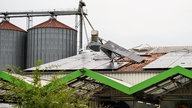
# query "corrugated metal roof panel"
(167, 49)
(183, 58)
(132, 78)
(109, 48)
(6, 25)
(88, 60)
(52, 23)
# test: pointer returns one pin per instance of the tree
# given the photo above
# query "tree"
(36, 96)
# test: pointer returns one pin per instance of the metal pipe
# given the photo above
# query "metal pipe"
(89, 22)
(75, 12)
(38, 14)
(34, 15)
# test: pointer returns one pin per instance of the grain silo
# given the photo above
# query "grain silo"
(12, 45)
(50, 41)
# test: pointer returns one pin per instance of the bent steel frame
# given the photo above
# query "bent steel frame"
(166, 79)
(122, 87)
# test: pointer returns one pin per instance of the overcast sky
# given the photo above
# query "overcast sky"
(128, 23)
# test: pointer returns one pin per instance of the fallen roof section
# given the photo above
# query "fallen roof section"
(111, 48)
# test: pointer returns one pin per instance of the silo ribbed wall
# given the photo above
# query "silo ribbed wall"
(12, 48)
(50, 44)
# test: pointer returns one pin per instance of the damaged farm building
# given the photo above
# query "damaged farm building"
(140, 77)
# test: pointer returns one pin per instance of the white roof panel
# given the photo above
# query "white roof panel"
(89, 60)
(172, 59)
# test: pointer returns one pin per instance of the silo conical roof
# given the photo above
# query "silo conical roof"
(6, 25)
(52, 23)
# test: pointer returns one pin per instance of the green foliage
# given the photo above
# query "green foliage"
(37, 96)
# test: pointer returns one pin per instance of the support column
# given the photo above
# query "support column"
(81, 33)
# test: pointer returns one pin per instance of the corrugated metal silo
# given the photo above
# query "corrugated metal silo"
(12, 45)
(50, 41)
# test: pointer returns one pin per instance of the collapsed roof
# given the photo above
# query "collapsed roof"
(107, 59)
(117, 58)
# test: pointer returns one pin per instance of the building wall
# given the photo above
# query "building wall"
(12, 48)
